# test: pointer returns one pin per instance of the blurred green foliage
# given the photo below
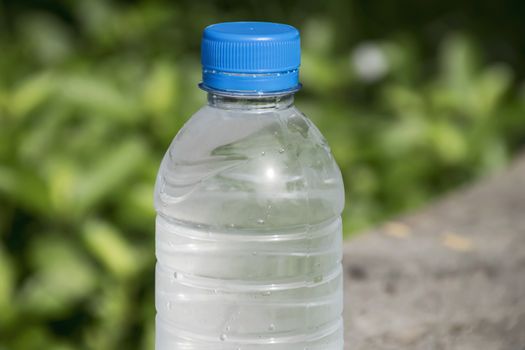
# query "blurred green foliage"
(92, 92)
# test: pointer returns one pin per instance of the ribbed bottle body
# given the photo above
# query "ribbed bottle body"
(248, 234)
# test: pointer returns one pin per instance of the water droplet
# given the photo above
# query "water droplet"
(281, 150)
(263, 153)
(271, 327)
(231, 225)
(228, 328)
(175, 275)
(223, 337)
(318, 278)
(215, 291)
(168, 305)
(260, 221)
(267, 293)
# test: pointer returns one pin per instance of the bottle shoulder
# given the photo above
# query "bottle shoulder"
(210, 128)
(267, 167)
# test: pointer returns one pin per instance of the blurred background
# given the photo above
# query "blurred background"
(415, 98)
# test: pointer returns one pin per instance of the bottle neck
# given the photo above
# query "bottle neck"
(241, 102)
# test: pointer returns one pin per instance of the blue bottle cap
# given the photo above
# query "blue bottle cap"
(250, 58)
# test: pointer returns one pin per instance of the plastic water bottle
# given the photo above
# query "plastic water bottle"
(249, 197)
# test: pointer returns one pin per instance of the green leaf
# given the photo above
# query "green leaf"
(99, 95)
(113, 311)
(490, 87)
(160, 89)
(62, 276)
(449, 143)
(458, 62)
(108, 246)
(31, 93)
(26, 188)
(113, 171)
(320, 74)
(138, 211)
(7, 286)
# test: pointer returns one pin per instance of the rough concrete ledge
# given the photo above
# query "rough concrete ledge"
(450, 277)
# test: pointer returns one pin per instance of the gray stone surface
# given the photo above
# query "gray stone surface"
(450, 277)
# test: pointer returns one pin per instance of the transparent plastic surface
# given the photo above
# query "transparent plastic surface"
(249, 236)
